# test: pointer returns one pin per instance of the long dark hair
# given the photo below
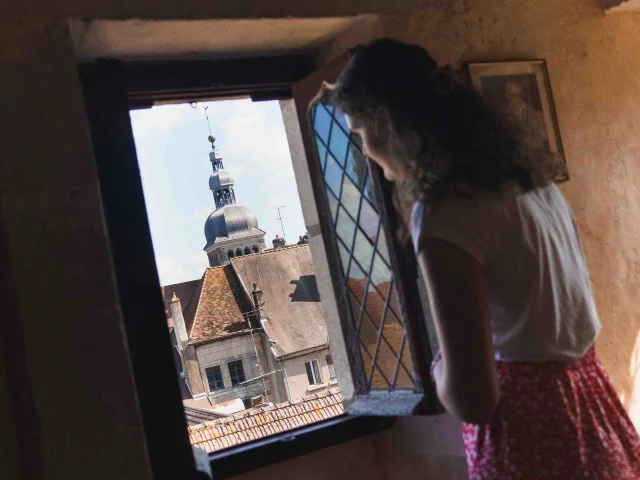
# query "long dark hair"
(462, 140)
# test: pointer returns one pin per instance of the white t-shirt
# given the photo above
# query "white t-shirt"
(540, 296)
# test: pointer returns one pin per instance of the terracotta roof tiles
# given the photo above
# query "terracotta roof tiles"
(216, 309)
(184, 291)
(264, 421)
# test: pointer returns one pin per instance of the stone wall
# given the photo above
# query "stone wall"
(218, 254)
(221, 352)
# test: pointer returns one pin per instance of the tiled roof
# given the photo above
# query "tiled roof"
(287, 279)
(264, 421)
(184, 291)
(216, 308)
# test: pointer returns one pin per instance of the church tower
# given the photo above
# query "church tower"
(232, 229)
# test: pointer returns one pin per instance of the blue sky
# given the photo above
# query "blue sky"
(173, 154)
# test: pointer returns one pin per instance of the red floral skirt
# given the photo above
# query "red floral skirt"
(555, 420)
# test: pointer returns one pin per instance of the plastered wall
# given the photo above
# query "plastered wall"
(297, 374)
(594, 65)
(49, 197)
(80, 419)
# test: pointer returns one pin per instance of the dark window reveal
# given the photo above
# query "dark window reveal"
(236, 372)
(214, 377)
(313, 372)
(331, 367)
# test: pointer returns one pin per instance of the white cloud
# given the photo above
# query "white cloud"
(249, 134)
(198, 259)
(172, 153)
(170, 270)
(157, 121)
(199, 214)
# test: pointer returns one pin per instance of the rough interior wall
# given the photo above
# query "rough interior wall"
(9, 447)
(49, 198)
(594, 64)
(194, 9)
(84, 422)
(413, 449)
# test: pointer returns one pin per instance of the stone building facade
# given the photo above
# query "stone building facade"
(221, 347)
(223, 355)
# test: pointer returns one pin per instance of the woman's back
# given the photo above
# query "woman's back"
(508, 284)
(540, 296)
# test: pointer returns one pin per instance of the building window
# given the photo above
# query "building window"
(236, 372)
(214, 377)
(230, 254)
(255, 249)
(331, 367)
(313, 372)
(238, 252)
(247, 251)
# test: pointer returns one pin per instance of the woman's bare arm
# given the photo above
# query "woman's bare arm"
(466, 378)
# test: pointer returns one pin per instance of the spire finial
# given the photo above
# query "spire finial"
(211, 137)
(175, 299)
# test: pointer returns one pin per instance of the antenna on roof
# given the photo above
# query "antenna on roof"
(284, 237)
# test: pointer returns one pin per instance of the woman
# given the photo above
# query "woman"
(507, 279)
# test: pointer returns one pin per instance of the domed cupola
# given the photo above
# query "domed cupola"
(232, 229)
(228, 222)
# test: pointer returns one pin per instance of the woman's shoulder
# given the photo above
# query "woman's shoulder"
(461, 210)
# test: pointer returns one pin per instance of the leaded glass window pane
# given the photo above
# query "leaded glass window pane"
(322, 123)
(364, 253)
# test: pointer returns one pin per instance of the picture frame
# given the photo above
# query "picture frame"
(522, 91)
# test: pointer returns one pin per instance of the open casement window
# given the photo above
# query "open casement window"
(313, 372)
(373, 275)
(394, 379)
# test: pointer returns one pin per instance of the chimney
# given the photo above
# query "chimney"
(178, 324)
(278, 242)
(187, 352)
(258, 302)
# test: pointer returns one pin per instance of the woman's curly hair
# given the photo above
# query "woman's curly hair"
(462, 140)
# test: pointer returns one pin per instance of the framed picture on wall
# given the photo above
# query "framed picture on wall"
(522, 91)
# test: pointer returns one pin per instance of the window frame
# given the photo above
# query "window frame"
(216, 389)
(322, 237)
(318, 380)
(236, 363)
(111, 90)
(330, 368)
